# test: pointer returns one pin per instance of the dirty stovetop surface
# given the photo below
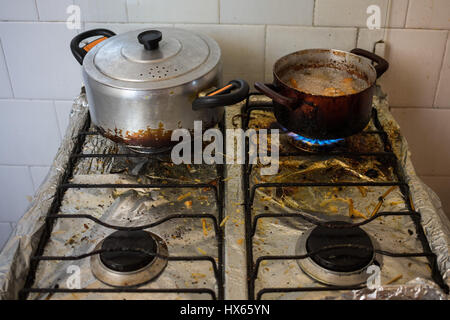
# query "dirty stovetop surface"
(407, 277)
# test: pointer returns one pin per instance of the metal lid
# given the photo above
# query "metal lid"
(152, 59)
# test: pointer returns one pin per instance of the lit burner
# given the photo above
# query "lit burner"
(313, 145)
(309, 144)
(313, 142)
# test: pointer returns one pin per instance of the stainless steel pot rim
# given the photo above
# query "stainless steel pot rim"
(146, 79)
(365, 64)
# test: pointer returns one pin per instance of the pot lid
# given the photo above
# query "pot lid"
(152, 59)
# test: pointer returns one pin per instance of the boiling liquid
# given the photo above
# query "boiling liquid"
(325, 81)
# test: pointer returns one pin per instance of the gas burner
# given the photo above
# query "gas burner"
(313, 145)
(129, 268)
(342, 266)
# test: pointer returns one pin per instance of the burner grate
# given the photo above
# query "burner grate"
(53, 215)
(251, 218)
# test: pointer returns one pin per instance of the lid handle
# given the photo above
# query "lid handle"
(150, 39)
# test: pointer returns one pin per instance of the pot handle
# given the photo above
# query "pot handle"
(269, 90)
(223, 96)
(79, 52)
(382, 65)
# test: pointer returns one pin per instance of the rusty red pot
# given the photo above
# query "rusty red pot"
(321, 116)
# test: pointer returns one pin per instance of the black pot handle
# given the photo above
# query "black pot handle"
(224, 96)
(270, 91)
(382, 65)
(79, 52)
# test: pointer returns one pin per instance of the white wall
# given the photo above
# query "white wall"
(39, 77)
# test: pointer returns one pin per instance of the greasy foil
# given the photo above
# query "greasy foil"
(407, 278)
(396, 234)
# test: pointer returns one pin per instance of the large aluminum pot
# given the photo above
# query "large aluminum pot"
(141, 85)
(319, 115)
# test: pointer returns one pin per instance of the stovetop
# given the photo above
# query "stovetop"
(357, 182)
(230, 232)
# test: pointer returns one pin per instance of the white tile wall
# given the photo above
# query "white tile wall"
(53, 10)
(38, 175)
(39, 77)
(5, 83)
(267, 12)
(182, 11)
(440, 185)
(5, 232)
(348, 13)
(63, 113)
(428, 134)
(29, 132)
(103, 10)
(443, 90)
(242, 49)
(428, 14)
(124, 27)
(18, 10)
(414, 69)
(39, 60)
(281, 40)
(17, 193)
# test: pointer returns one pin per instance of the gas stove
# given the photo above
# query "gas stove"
(342, 219)
(336, 213)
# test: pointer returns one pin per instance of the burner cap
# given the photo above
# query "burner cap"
(345, 259)
(126, 261)
(127, 269)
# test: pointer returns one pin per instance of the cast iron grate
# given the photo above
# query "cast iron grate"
(53, 214)
(251, 220)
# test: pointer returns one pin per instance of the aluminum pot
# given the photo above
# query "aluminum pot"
(320, 116)
(141, 85)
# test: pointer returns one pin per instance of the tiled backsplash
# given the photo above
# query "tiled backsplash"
(39, 77)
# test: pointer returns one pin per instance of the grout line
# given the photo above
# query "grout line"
(126, 12)
(440, 72)
(32, 99)
(7, 70)
(214, 23)
(23, 165)
(31, 177)
(357, 37)
(414, 107)
(218, 12)
(314, 13)
(265, 52)
(406, 14)
(434, 175)
(388, 15)
(57, 121)
(37, 10)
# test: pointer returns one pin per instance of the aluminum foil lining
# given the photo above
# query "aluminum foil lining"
(274, 236)
(417, 289)
(127, 205)
(15, 256)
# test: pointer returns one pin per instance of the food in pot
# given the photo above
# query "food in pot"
(326, 81)
(324, 93)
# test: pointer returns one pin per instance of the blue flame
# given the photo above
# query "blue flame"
(315, 142)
